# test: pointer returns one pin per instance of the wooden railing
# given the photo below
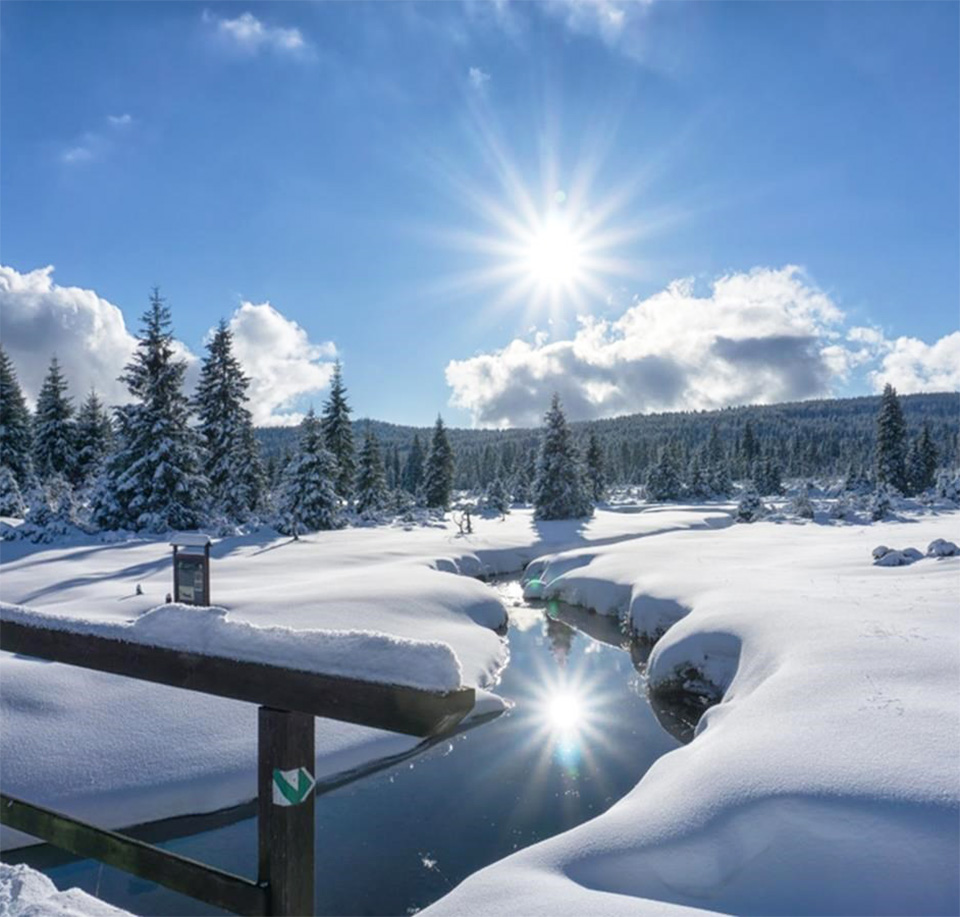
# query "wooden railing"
(289, 699)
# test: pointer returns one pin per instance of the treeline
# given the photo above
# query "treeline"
(169, 460)
(826, 439)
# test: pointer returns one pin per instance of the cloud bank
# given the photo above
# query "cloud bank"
(248, 34)
(89, 336)
(760, 337)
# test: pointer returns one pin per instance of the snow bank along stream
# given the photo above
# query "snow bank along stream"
(579, 736)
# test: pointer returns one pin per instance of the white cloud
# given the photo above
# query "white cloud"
(282, 363)
(95, 145)
(250, 35)
(618, 23)
(759, 337)
(911, 365)
(478, 78)
(40, 319)
(88, 334)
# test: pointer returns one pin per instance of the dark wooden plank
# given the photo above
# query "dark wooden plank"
(221, 889)
(398, 709)
(285, 817)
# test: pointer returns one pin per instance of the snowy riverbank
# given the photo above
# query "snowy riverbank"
(119, 752)
(826, 782)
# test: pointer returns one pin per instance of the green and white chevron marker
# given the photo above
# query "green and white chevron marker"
(290, 788)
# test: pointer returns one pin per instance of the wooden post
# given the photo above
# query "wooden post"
(286, 782)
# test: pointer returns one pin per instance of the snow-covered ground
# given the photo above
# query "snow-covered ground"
(24, 892)
(117, 752)
(828, 779)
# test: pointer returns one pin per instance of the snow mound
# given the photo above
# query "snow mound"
(940, 547)
(890, 557)
(24, 892)
(366, 655)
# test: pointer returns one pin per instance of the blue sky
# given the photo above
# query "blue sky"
(364, 168)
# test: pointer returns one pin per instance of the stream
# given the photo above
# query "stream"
(580, 735)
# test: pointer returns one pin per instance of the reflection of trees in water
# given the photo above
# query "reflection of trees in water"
(560, 636)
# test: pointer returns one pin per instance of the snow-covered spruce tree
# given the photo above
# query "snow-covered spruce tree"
(237, 481)
(53, 510)
(559, 491)
(371, 488)
(891, 441)
(15, 432)
(438, 470)
(698, 483)
(54, 433)
(922, 460)
(801, 504)
(411, 477)
(338, 434)
(750, 508)
(663, 479)
(767, 476)
(11, 500)
(521, 483)
(881, 504)
(596, 471)
(497, 497)
(308, 500)
(153, 481)
(94, 439)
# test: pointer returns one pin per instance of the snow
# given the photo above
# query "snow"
(24, 892)
(825, 782)
(118, 752)
(364, 655)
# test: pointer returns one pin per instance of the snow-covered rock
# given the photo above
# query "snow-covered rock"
(940, 547)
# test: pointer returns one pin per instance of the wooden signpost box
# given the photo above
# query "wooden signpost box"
(191, 569)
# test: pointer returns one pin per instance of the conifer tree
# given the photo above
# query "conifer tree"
(891, 441)
(767, 476)
(233, 464)
(412, 475)
(308, 500)
(11, 500)
(15, 433)
(497, 496)
(596, 470)
(94, 439)
(153, 481)
(371, 480)
(663, 479)
(338, 434)
(559, 491)
(922, 462)
(438, 471)
(698, 485)
(54, 434)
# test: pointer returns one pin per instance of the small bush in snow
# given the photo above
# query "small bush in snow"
(841, 507)
(880, 503)
(750, 507)
(11, 500)
(940, 547)
(948, 485)
(802, 505)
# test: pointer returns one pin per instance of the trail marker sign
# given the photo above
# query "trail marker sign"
(290, 788)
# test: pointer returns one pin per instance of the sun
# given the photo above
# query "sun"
(554, 255)
(565, 712)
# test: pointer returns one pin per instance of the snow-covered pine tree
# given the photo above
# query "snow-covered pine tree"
(438, 470)
(521, 482)
(234, 468)
(371, 488)
(698, 485)
(750, 508)
(718, 476)
(11, 500)
(891, 441)
(15, 433)
(663, 479)
(749, 449)
(153, 481)
(412, 476)
(94, 439)
(497, 497)
(596, 470)
(308, 500)
(338, 434)
(560, 491)
(801, 504)
(54, 433)
(881, 504)
(922, 460)
(767, 476)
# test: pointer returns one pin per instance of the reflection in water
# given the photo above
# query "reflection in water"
(580, 735)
